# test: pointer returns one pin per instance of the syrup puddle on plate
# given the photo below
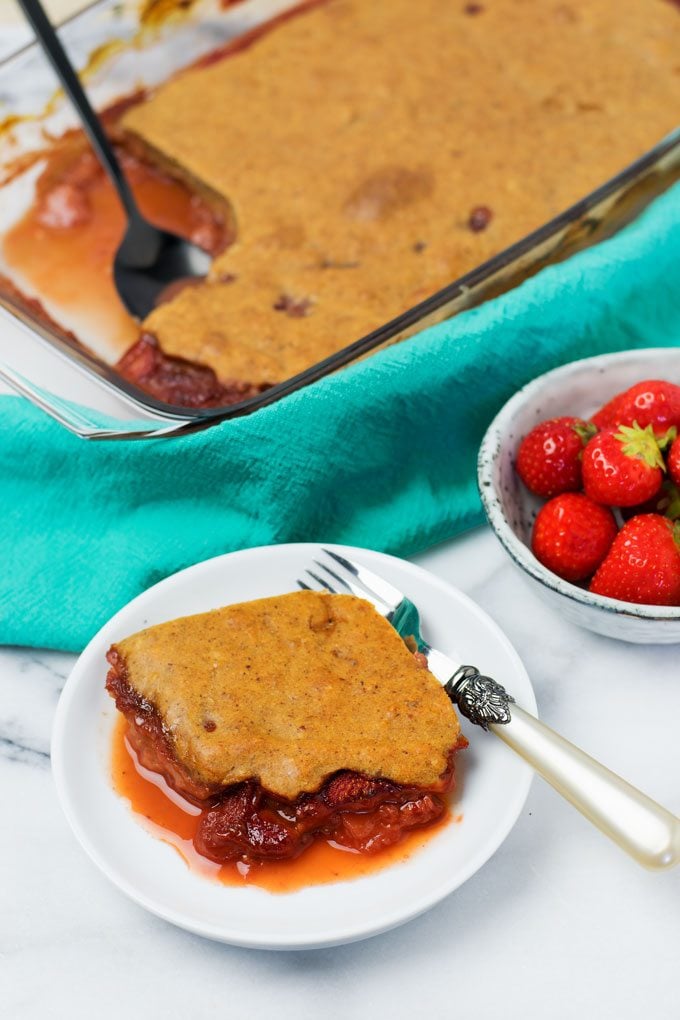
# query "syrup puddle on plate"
(166, 815)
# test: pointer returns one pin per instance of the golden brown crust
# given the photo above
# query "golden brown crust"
(289, 690)
(355, 140)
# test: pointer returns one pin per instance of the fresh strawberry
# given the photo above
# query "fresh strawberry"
(643, 564)
(674, 461)
(549, 457)
(652, 402)
(623, 467)
(572, 535)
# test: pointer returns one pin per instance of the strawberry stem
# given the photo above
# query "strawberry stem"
(668, 501)
(585, 432)
(641, 444)
(666, 440)
(676, 534)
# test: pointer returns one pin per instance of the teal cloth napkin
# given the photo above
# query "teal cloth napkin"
(381, 454)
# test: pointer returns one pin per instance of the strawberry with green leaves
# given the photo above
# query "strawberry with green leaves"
(643, 564)
(572, 535)
(549, 457)
(654, 402)
(623, 466)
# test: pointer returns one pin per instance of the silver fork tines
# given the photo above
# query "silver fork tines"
(376, 587)
(361, 590)
(320, 580)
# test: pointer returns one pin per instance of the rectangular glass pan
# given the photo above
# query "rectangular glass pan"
(122, 48)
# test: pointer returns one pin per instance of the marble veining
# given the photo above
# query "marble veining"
(30, 684)
(15, 750)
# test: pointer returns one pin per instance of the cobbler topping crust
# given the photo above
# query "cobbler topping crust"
(287, 691)
(374, 152)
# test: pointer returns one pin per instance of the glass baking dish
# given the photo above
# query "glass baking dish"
(120, 48)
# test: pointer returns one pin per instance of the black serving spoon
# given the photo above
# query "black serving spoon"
(148, 259)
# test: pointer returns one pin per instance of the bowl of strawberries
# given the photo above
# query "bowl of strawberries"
(579, 475)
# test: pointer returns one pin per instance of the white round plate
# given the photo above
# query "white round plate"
(493, 783)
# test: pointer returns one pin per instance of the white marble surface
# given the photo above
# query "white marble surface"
(559, 922)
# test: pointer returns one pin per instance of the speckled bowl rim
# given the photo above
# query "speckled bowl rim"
(489, 453)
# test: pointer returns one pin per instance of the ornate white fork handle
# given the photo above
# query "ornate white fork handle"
(644, 829)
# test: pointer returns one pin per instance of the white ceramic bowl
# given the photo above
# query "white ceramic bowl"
(578, 388)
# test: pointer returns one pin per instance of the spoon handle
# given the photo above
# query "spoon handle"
(640, 826)
(55, 53)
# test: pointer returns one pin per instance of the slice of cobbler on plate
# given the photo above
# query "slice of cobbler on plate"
(289, 719)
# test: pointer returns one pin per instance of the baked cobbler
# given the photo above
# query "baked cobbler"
(286, 720)
(352, 158)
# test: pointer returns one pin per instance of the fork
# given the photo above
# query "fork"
(148, 259)
(640, 826)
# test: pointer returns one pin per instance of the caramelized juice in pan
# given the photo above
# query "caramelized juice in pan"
(63, 247)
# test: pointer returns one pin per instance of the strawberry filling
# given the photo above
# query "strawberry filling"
(246, 823)
(178, 381)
